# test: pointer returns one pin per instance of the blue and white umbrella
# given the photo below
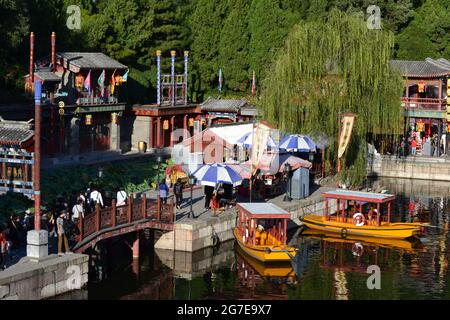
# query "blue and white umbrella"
(298, 142)
(214, 173)
(247, 141)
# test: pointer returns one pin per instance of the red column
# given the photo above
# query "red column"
(150, 141)
(172, 128)
(284, 232)
(185, 135)
(136, 247)
(158, 132)
(389, 212)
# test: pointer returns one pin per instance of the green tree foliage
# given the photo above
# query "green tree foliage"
(428, 33)
(329, 66)
(205, 25)
(233, 46)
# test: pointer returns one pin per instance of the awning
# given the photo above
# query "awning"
(103, 108)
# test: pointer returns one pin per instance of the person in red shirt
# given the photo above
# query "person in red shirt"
(413, 146)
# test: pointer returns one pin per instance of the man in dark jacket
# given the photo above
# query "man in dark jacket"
(178, 191)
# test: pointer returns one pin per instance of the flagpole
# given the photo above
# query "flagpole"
(251, 161)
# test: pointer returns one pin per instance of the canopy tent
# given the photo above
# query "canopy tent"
(247, 140)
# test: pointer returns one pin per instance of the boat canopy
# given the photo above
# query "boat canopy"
(358, 196)
(263, 210)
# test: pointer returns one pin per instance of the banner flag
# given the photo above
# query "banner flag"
(259, 144)
(87, 83)
(220, 79)
(345, 134)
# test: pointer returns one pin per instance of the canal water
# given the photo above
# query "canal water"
(326, 267)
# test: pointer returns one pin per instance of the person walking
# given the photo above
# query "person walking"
(178, 191)
(77, 211)
(413, 146)
(163, 191)
(62, 237)
(95, 198)
(208, 195)
(3, 249)
(121, 197)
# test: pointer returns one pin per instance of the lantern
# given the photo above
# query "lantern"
(88, 120)
(118, 80)
(421, 86)
(191, 122)
(420, 126)
(79, 81)
(166, 125)
(114, 117)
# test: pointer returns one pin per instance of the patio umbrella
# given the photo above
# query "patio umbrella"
(214, 173)
(242, 169)
(271, 163)
(247, 141)
(298, 142)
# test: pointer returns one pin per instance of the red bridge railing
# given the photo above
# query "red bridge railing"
(136, 210)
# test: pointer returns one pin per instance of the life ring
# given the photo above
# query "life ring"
(344, 233)
(357, 249)
(358, 219)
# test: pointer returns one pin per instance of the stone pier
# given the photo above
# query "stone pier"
(52, 276)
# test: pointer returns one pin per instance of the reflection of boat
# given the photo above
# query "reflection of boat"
(408, 245)
(266, 244)
(277, 269)
(375, 225)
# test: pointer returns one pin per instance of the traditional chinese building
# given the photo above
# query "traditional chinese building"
(174, 118)
(16, 156)
(82, 100)
(425, 94)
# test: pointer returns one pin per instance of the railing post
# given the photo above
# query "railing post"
(114, 211)
(130, 207)
(158, 208)
(97, 217)
(80, 226)
(144, 206)
(172, 215)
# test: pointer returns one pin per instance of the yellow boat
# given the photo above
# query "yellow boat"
(346, 223)
(263, 244)
(282, 269)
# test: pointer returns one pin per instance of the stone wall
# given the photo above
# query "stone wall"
(53, 276)
(141, 132)
(427, 168)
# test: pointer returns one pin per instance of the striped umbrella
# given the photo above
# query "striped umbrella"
(214, 173)
(298, 142)
(247, 141)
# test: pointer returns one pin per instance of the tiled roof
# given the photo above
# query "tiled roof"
(15, 132)
(48, 76)
(91, 60)
(429, 68)
(223, 105)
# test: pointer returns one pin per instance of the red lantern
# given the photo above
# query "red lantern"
(88, 120)
(421, 86)
(79, 81)
(166, 125)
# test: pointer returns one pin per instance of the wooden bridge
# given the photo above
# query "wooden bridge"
(113, 221)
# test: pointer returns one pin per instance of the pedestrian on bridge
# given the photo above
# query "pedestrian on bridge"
(121, 197)
(163, 191)
(178, 191)
(95, 198)
(62, 237)
(77, 211)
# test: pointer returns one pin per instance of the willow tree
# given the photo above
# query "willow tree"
(332, 65)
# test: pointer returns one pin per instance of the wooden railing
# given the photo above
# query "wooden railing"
(136, 210)
(424, 103)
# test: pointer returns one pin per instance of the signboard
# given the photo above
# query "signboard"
(346, 133)
(16, 173)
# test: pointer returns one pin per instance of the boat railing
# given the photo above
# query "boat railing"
(349, 219)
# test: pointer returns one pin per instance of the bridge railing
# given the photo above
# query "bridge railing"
(141, 209)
